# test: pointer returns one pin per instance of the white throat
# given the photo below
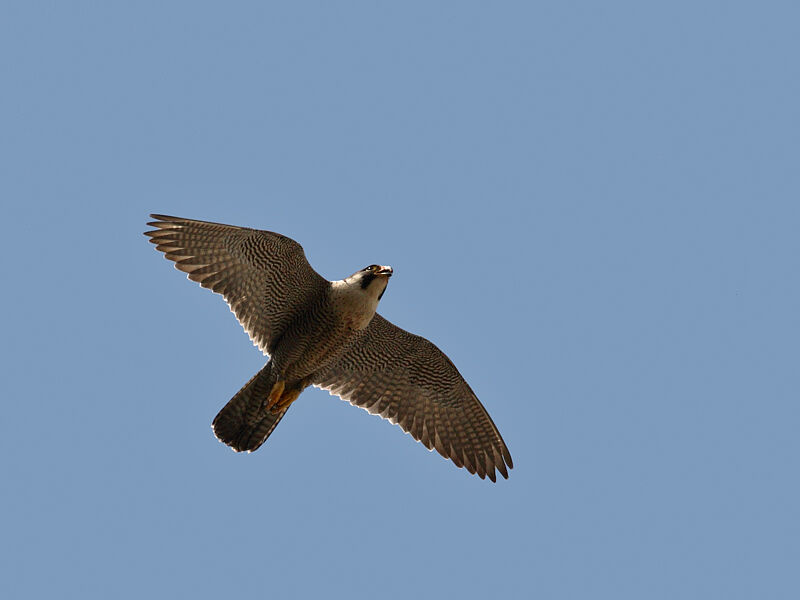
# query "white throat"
(356, 305)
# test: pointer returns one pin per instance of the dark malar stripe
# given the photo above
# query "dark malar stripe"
(366, 280)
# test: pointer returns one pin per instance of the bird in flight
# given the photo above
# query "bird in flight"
(327, 334)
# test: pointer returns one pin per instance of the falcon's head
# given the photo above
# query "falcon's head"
(357, 296)
(372, 279)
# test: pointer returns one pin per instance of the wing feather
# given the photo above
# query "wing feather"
(263, 276)
(406, 379)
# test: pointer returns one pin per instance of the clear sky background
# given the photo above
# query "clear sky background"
(591, 207)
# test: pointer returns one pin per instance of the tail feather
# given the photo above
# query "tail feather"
(244, 423)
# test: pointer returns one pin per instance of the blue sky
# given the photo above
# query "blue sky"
(592, 208)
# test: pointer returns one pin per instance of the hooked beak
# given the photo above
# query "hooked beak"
(386, 271)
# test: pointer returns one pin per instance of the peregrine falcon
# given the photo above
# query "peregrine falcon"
(327, 334)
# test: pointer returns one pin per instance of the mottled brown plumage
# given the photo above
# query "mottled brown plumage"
(327, 334)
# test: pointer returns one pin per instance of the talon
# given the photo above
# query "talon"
(286, 400)
(275, 394)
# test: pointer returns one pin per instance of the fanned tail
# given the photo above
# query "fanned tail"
(244, 423)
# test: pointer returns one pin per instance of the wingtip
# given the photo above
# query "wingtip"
(164, 221)
(507, 457)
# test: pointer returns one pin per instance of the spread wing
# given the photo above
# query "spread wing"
(406, 379)
(263, 276)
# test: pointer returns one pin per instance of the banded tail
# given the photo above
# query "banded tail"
(245, 423)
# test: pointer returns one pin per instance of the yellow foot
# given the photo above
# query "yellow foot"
(286, 400)
(275, 394)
